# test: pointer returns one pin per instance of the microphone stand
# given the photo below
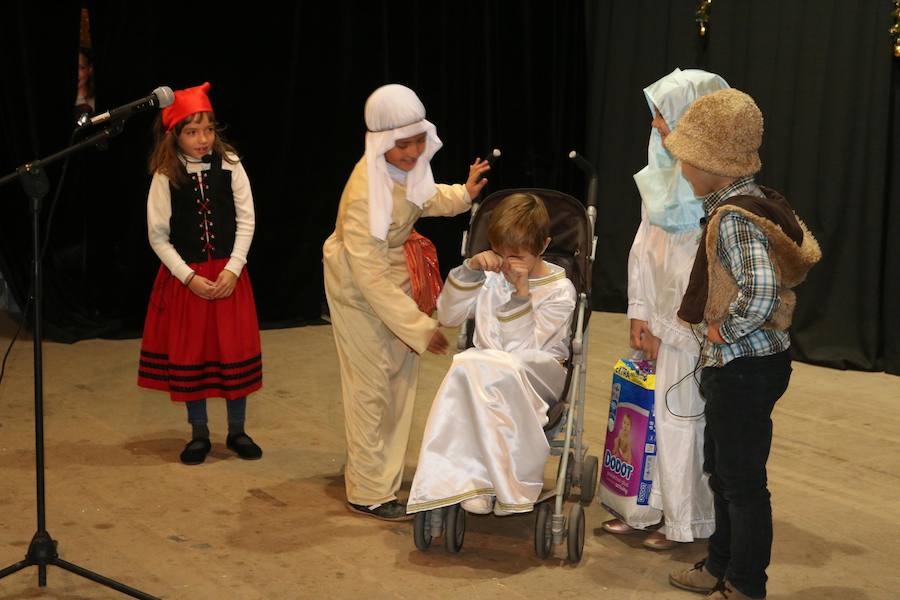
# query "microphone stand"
(42, 549)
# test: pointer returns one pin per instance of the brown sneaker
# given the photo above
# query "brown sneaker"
(726, 591)
(696, 579)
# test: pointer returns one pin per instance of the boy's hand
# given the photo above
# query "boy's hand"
(713, 334)
(202, 286)
(438, 343)
(517, 274)
(486, 261)
(476, 170)
(224, 285)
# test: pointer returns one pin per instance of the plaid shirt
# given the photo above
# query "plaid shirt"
(743, 250)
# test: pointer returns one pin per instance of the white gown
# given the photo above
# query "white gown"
(659, 266)
(484, 434)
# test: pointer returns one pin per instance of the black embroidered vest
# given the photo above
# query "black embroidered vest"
(202, 224)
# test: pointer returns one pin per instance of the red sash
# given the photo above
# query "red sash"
(424, 273)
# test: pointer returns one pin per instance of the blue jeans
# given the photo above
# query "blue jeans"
(237, 411)
(739, 400)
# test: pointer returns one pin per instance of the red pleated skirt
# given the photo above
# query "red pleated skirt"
(195, 348)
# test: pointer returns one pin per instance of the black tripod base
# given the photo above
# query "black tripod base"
(42, 552)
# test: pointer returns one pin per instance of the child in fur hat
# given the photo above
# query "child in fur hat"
(753, 251)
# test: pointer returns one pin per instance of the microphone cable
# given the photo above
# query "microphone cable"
(692, 373)
(29, 298)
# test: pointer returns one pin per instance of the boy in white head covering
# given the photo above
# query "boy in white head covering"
(379, 330)
(659, 267)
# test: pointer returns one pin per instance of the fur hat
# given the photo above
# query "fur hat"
(720, 133)
(187, 102)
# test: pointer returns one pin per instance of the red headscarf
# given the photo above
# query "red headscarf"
(187, 102)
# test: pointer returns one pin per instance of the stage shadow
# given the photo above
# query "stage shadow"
(168, 449)
(299, 514)
(163, 447)
(492, 546)
(796, 546)
(296, 514)
(689, 552)
(159, 447)
(49, 592)
(823, 593)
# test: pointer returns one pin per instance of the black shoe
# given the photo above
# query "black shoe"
(245, 447)
(195, 451)
(389, 511)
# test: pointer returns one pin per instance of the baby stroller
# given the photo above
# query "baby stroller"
(572, 247)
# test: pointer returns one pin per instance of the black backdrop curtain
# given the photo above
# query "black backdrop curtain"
(821, 72)
(533, 78)
(290, 81)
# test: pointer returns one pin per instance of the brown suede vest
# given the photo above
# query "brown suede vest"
(792, 249)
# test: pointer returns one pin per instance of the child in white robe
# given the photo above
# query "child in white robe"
(659, 266)
(484, 445)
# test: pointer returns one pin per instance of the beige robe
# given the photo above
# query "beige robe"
(379, 332)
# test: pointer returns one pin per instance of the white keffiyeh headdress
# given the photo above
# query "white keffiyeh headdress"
(394, 112)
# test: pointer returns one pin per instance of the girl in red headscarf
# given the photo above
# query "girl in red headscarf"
(201, 335)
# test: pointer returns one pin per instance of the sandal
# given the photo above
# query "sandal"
(658, 541)
(617, 526)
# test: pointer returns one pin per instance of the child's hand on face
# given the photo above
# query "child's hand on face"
(486, 261)
(476, 170)
(516, 272)
(224, 285)
(202, 286)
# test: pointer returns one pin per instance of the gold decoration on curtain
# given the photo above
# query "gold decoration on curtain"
(85, 29)
(895, 29)
(702, 16)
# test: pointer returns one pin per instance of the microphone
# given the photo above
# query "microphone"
(160, 98)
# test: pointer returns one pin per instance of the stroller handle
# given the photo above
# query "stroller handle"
(490, 157)
(591, 172)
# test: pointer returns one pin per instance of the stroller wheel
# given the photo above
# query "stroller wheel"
(454, 528)
(422, 530)
(589, 479)
(576, 533)
(543, 530)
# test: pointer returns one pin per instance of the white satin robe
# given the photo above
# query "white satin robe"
(484, 434)
(659, 267)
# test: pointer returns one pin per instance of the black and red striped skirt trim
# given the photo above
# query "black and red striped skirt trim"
(195, 348)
